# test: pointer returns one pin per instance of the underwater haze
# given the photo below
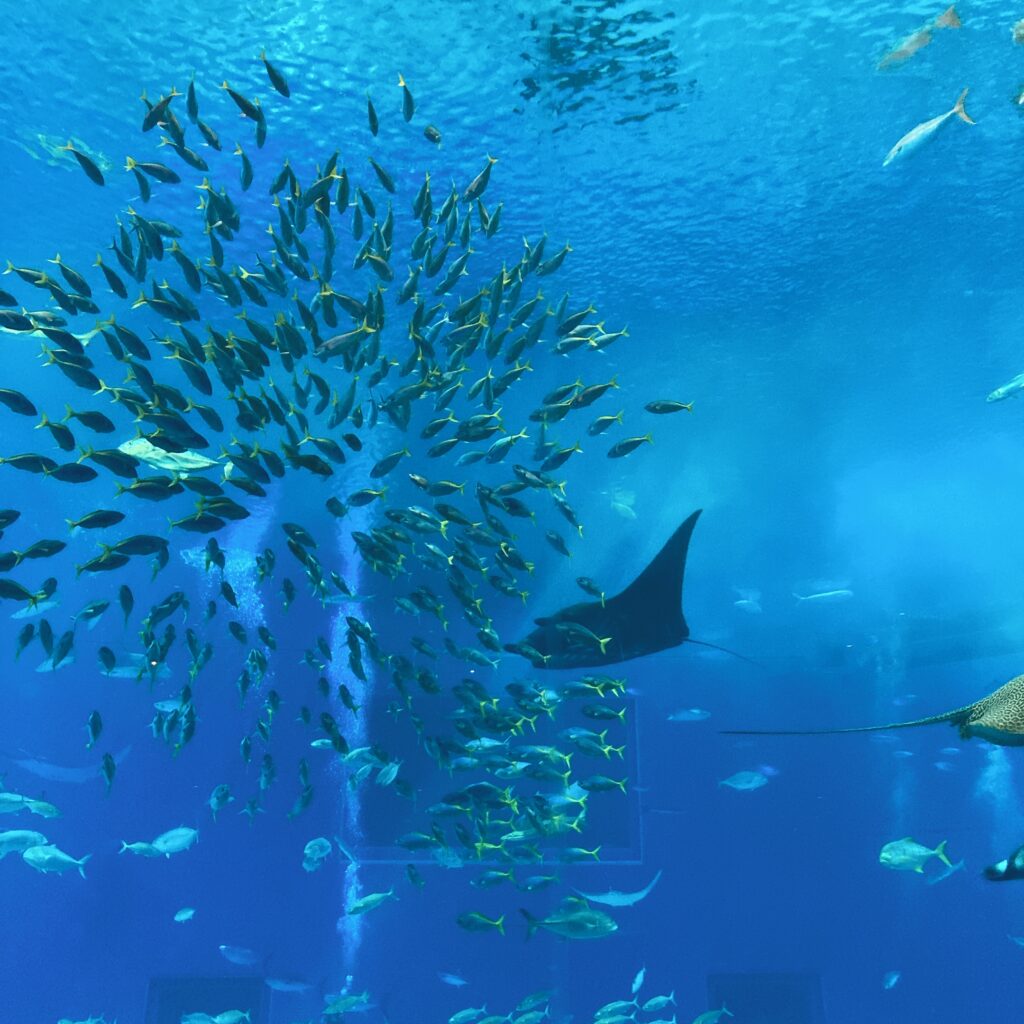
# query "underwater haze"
(380, 332)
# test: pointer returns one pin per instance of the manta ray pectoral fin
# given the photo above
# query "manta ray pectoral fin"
(644, 618)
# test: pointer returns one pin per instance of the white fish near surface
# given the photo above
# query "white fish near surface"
(240, 956)
(924, 132)
(12, 803)
(826, 596)
(50, 860)
(452, 979)
(181, 463)
(656, 1003)
(287, 985)
(638, 981)
(139, 666)
(749, 601)
(364, 904)
(615, 898)
(622, 502)
(48, 665)
(745, 781)
(140, 849)
(909, 855)
(713, 1016)
(33, 610)
(227, 1017)
(1007, 390)
(59, 773)
(689, 715)
(185, 914)
(177, 840)
(920, 39)
(20, 840)
(315, 853)
(890, 980)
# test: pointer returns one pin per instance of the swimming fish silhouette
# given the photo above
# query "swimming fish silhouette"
(998, 718)
(925, 131)
(617, 898)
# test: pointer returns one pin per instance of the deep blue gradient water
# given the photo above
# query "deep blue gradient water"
(717, 169)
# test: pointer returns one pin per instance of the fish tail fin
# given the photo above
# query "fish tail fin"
(532, 924)
(940, 852)
(124, 846)
(81, 864)
(603, 642)
(959, 109)
(500, 924)
(949, 19)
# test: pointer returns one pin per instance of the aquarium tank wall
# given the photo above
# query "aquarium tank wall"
(509, 513)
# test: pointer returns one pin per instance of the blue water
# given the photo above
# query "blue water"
(717, 170)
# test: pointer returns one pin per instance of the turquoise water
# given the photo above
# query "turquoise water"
(718, 172)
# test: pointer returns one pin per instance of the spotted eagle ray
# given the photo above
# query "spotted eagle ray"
(644, 618)
(616, 898)
(998, 718)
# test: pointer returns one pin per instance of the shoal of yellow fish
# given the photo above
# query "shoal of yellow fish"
(297, 356)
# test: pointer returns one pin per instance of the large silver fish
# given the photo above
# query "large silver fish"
(925, 131)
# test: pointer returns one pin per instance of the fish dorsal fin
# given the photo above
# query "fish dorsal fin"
(660, 585)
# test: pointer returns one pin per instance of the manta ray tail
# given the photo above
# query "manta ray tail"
(724, 650)
(960, 714)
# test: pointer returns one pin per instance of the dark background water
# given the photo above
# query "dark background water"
(717, 170)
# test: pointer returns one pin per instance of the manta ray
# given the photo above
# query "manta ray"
(645, 617)
(617, 898)
(998, 718)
